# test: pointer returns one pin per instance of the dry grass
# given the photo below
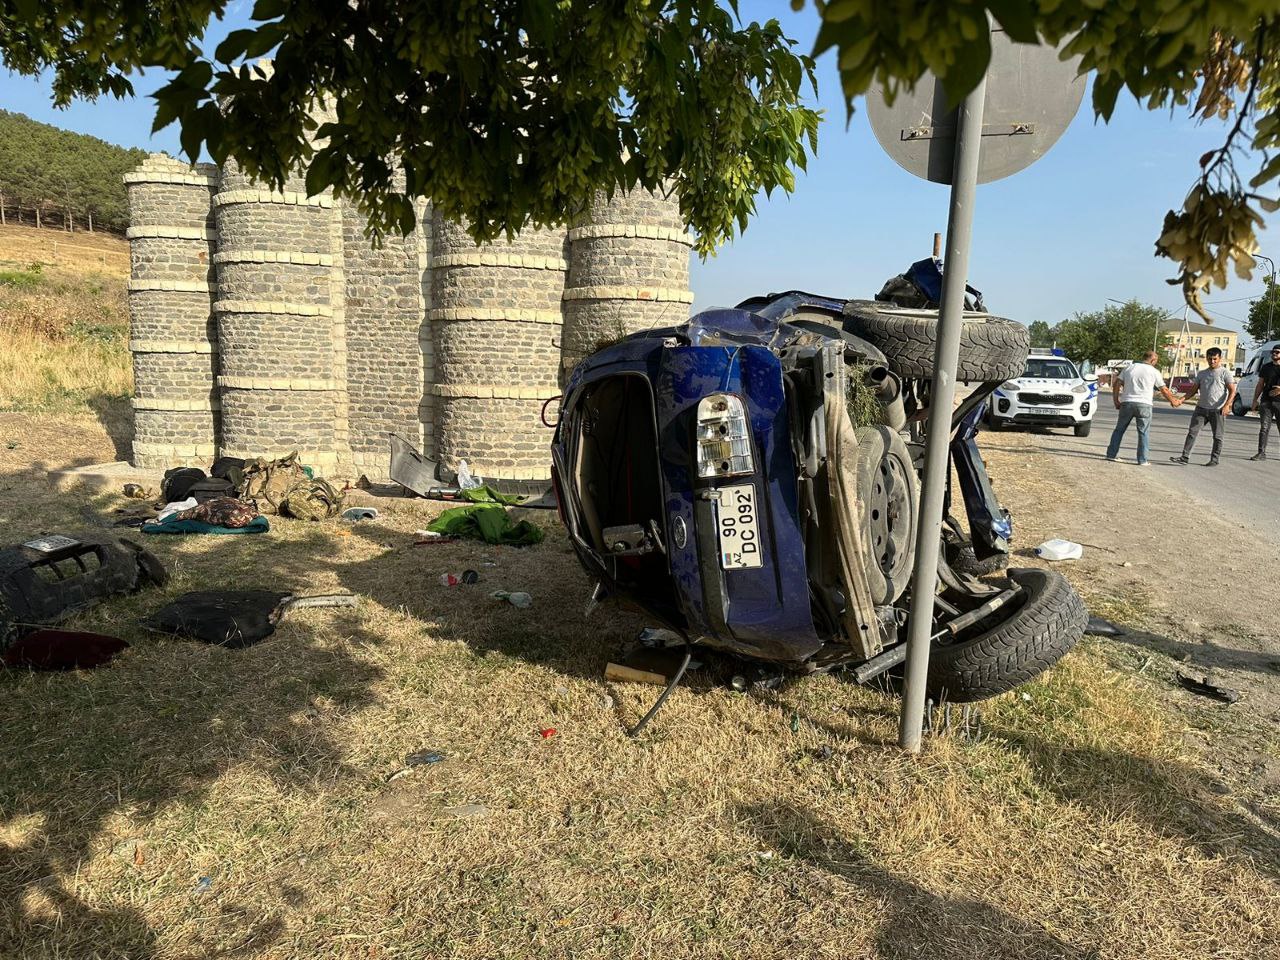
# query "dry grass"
(63, 325)
(1074, 827)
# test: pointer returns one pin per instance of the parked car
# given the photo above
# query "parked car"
(1247, 381)
(1048, 392)
(730, 478)
(1181, 384)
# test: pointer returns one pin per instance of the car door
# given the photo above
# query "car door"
(1249, 381)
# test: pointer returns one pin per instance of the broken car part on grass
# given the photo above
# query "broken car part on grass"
(730, 476)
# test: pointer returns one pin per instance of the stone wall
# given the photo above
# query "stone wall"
(286, 329)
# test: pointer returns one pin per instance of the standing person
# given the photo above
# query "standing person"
(1217, 388)
(1267, 399)
(1133, 401)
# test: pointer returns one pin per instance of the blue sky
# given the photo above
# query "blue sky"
(1064, 235)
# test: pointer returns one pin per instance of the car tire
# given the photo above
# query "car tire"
(885, 472)
(962, 559)
(1082, 429)
(991, 348)
(1238, 407)
(1031, 638)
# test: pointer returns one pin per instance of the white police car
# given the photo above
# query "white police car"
(1050, 393)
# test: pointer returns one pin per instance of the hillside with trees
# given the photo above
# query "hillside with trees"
(50, 176)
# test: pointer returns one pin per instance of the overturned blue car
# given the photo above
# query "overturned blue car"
(750, 480)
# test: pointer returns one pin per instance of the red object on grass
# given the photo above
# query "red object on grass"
(548, 733)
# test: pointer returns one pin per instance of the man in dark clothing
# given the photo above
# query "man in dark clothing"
(1217, 388)
(1266, 400)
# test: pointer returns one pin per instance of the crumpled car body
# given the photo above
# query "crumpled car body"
(712, 474)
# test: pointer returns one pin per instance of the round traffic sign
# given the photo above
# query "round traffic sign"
(1031, 97)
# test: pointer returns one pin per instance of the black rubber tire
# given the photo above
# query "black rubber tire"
(962, 559)
(1032, 638)
(1082, 429)
(991, 348)
(1238, 408)
(875, 444)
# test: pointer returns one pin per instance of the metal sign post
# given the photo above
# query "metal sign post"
(1022, 106)
(942, 393)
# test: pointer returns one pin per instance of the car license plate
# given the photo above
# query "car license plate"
(738, 530)
(1044, 411)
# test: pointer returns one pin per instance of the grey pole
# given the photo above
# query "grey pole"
(964, 188)
(1271, 300)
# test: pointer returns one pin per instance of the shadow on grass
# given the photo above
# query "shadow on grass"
(1174, 799)
(919, 923)
(160, 726)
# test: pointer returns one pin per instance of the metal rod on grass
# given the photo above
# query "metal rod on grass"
(964, 188)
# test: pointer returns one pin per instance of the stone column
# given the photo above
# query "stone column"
(496, 327)
(628, 271)
(281, 323)
(172, 335)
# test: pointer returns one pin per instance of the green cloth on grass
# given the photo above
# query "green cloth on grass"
(487, 521)
(487, 494)
(256, 525)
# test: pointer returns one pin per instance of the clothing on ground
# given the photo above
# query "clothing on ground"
(173, 525)
(1138, 381)
(486, 519)
(1213, 387)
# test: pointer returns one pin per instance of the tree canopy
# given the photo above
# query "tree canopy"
(1263, 322)
(507, 112)
(1122, 332)
(44, 167)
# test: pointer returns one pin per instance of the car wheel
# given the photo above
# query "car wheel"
(888, 503)
(991, 348)
(1024, 642)
(962, 559)
(1082, 429)
(1238, 408)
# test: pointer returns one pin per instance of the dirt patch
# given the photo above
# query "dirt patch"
(1204, 605)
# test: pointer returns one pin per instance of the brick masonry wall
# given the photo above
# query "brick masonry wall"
(171, 331)
(280, 308)
(628, 271)
(385, 316)
(496, 324)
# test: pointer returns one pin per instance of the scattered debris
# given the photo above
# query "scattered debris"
(657, 637)
(356, 514)
(203, 886)
(422, 758)
(738, 682)
(606, 701)
(621, 673)
(1059, 550)
(136, 491)
(1103, 628)
(516, 599)
(465, 480)
(44, 581)
(61, 650)
(470, 576)
(427, 537)
(547, 733)
(1204, 688)
(234, 618)
(824, 752)
(467, 810)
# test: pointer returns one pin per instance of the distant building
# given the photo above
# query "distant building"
(1184, 357)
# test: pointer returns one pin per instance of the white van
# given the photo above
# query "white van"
(1247, 381)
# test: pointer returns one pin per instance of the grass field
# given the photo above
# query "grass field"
(190, 801)
(63, 321)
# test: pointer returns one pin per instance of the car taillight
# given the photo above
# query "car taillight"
(724, 438)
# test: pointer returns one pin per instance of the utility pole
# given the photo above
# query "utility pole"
(1271, 293)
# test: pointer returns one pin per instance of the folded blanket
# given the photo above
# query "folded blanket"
(256, 525)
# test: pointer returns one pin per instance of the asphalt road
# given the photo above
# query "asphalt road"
(1237, 489)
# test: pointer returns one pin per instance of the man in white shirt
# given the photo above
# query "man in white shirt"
(1138, 383)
